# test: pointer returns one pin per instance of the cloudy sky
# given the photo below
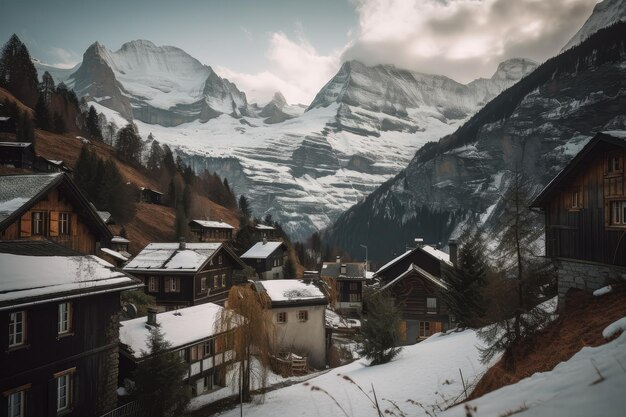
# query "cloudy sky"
(296, 46)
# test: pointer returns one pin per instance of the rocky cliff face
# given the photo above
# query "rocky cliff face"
(605, 13)
(155, 84)
(537, 125)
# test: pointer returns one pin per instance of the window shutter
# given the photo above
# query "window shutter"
(54, 223)
(168, 284)
(26, 225)
(73, 224)
(607, 213)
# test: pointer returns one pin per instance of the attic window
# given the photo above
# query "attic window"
(614, 163)
(576, 201)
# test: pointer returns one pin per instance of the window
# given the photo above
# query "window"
(182, 354)
(64, 391)
(424, 329)
(354, 298)
(64, 223)
(203, 284)
(219, 259)
(431, 305)
(223, 280)
(303, 315)
(17, 328)
(65, 318)
(172, 284)
(208, 348)
(153, 284)
(618, 213)
(615, 163)
(39, 223)
(207, 382)
(16, 402)
(576, 199)
(354, 286)
(281, 317)
(215, 281)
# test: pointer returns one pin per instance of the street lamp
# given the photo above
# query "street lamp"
(365, 246)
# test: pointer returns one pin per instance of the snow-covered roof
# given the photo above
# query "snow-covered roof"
(119, 239)
(180, 327)
(620, 134)
(264, 227)
(25, 277)
(17, 190)
(393, 261)
(170, 257)
(150, 190)
(213, 224)
(442, 256)
(114, 254)
(104, 215)
(414, 268)
(353, 270)
(291, 290)
(261, 250)
(16, 144)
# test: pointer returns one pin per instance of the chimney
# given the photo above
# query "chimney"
(152, 316)
(454, 249)
(338, 259)
(182, 245)
(419, 242)
(265, 241)
(344, 268)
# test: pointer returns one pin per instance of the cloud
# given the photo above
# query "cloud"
(296, 69)
(63, 58)
(463, 39)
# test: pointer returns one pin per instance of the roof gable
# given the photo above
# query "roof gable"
(617, 138)
(416, 270)
(430, 251)
(262, 250)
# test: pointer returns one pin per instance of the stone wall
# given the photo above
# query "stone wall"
(584, 276)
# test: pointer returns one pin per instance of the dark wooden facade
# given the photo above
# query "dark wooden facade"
(89, 355)
(210, 234)
(63, 215)
(417, 257)
(585, 205)
(17, 154)
(218, 276)
(270, 267)
(147, 195)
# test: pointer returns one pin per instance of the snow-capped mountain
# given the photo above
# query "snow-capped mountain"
(604, 14)
(155, 84)
(537, 125)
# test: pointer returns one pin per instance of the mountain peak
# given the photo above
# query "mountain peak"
(514, 69)
(138, 44)
(279, 100)
(604, 14)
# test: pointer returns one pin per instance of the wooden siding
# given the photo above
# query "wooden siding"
(81, 238)
(419, 258)
(410, 296)
(585, 233)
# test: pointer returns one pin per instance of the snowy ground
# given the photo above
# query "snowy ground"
(427, 373)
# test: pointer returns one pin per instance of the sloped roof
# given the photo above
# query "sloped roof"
(170, 257)
(617, 138)
(180, 327)
(119, 239)
(291, 291)
(212, 224)
(415, 269)
(264, 227)
(429, 250)
(39, 271)
(354, 270)
(117, 255)
(15, 144)
(261, 250)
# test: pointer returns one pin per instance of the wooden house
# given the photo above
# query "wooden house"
(414, 281)
(349, 279)
(17, 154)
(193, 333)
(59, 319)
(298, 311)
(183, 274)
(147, 195)
(263, 231)
(42, 164)
(50, 206)
(267, 259)
(211, 231)
(585, 215)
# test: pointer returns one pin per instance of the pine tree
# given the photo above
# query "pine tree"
(42, 116)
(466, 280)
(380, 329)
(155, 158)
(25, 128)
(17, 72)
(159, 378)
(289, 268)
(181, 222)
(168, 161)
(129, 145)
(47, 88)
(92, 124)
(244, 208)
(187, 195)
(58, 123)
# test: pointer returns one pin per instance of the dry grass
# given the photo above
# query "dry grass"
(580, 324)
(5, 94)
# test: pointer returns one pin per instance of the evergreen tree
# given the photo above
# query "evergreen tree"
(155, 158)
(520, 230)
(92, 124)
(58, 123)
(159, 379)
(129, 145)
(187, 200)
(42, 116)
(466, 280)
(289, 268)
(47, 88)
(168, 161)
(181, 222)
(244, 208)
(17, 72)
(380, 329)
(25, 128)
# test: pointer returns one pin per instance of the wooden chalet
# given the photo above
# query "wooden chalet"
(184, 274)
(414, 281)
(17, 154)
(267, 259)
(298, 310)
(50, 206)
(42, 164)
(585, 215)
(147, 195)
(349, 279)
(211, 231)
(59, 315)
(193, 333)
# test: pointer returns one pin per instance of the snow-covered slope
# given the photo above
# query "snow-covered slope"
(604, 14)
(59, 74)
